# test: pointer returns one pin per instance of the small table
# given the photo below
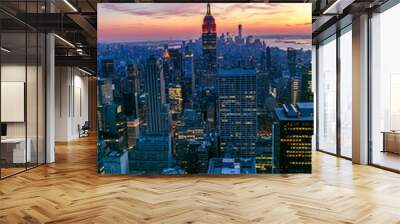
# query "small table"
(391, 141)
(13, 150)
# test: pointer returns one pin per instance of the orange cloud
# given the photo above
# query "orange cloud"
(157, 21)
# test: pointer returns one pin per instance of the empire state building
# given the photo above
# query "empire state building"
(209, 41)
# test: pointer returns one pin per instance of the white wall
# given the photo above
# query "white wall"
(33, 127)
(17, 73)
(71, 102)
(12, 73)
(61, 103)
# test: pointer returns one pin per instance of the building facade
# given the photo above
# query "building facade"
(209, 43)
(157, 111)
(292, 136)
(237, 112)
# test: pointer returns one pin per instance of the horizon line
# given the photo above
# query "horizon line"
(259, 36)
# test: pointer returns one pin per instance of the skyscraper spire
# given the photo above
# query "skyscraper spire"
(209, 41)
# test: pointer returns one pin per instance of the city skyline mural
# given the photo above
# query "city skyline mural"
(199, 88)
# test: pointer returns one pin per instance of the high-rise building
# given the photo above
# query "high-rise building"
(291, 58)
(133, 127)
(202, 157)
(306, 94)
(188, 65)
(189, 141)
(264, 155)
(186, 154)
(232, 166)
(176, 59)
(239, 38)
(250, 40)
(152, 154)
(209, 42)
(190, 128)
(237, 111)
(157, 111)
(292, 134)
(167, 65)
(222, 38)
(189, 71)
(268, 60)
(105, 93)
(116, 162)
(131, 104)
(107, 67)
(111, 124)
(262, 90)
(294, 90)
(291, 95)
(175, 98)
(131, 92)
(229, 38)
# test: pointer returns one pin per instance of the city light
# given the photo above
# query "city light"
(219, 102)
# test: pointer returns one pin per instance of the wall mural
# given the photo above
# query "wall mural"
(197, 88)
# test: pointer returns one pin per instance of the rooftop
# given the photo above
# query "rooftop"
(236, 72)
(152, 138)
(300, 112)
(232, 166)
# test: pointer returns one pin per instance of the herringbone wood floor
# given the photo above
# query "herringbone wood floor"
(70, 191)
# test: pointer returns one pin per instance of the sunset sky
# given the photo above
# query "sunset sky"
(130, 22)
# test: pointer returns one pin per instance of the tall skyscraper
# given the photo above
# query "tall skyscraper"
(108, 68)
(112, 126)
(291, 95)
(189, 139)
(131, 92)
(188, 65)
(239, 38)
(306, 94)
(189, 71)
(268, 60)
(175, 98)
(131, 104)
(292, 134)
(264, 155)
(262, 90)
(167, 65)
(153, 152)
(209, 42)
(157, 111)
(237, 112)
(294, 90)
(291, 58)
(176, 58)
